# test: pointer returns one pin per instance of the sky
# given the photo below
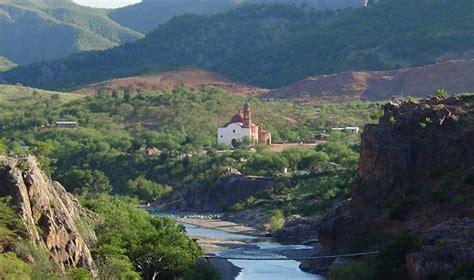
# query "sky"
(106, 3)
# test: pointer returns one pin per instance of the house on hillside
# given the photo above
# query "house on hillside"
(353, 129)
(239, 127)
(66, 124)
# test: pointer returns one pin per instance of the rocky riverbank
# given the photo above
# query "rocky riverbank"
(238, 231)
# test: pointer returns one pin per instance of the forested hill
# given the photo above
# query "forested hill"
(149, 14)
(35, 30)
(275, 45)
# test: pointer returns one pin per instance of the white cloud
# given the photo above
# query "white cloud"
(106, 3)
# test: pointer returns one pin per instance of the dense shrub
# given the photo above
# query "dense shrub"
(401, 208)
(390, 263)
(277, 220)
(351, 271)
(154, 245)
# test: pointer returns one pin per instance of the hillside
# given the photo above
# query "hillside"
(273, 46)
(454, 76)
(149, 14)
(175, 121)
(5, 64)
(191, 79)
(37, 30)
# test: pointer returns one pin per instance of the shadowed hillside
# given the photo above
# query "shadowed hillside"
(149, 14)
(35, 30)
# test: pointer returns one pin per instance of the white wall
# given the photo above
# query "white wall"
(232, 131)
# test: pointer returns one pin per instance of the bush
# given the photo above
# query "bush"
(438, 196)
(464, 271)
(146, 189)
(10, 223)
(11, 267)
(277, 221)
(80, 274)
(117, 267)
(391, 264)
(442, 93)
(468, 180)
(85, 181)
(351, 271)
(237, 207)
(399, 209)
(155, 245)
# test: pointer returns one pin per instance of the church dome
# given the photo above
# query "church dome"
(239, 117)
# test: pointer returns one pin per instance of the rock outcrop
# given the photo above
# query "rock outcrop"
(298, 230)
(231, 188)
(415, 173)
(54, 219)
(446, 246)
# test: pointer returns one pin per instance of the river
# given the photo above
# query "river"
(256, 250)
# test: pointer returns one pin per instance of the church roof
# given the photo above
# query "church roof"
(239, 117)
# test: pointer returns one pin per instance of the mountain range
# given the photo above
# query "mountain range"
(272, 46)
(35, 30)
(149, 14)
(38, 30)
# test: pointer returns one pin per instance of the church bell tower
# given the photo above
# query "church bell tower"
(247, 116)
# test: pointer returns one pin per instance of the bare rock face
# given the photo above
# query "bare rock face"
(416, 171)
(54, 218)
(231, 188)
(446, 245)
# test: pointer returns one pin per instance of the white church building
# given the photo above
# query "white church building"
(241, 126)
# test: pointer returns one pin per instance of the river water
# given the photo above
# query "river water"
(257, 269)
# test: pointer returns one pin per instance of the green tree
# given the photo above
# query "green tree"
(85, 181)
(277, 220)
(442, 93)
(314, 161)
(146, 189)
(156, 246)
(3, 146)
(391, 263)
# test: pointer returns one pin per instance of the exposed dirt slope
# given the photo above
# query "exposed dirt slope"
(455, 76)
(189, 79)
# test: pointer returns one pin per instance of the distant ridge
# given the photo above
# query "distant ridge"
(147, 15)
(272, 46)
(37, 30)
(193, 79)
(455, 76)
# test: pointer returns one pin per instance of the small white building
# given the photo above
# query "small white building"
(353, 129)
(66, 124)
(241, 126)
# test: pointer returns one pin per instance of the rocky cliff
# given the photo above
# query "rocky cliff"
(231, 188)
(54, 219)
(415, 174)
